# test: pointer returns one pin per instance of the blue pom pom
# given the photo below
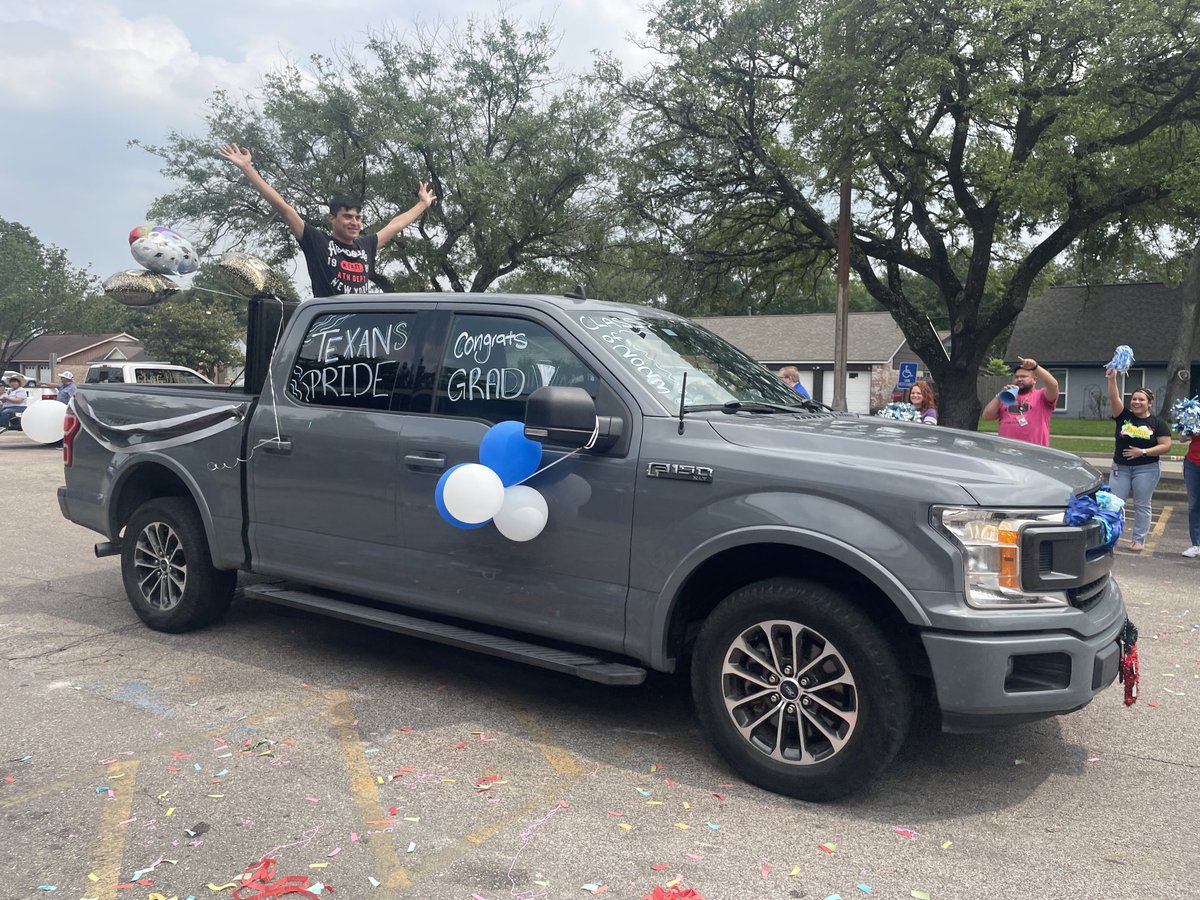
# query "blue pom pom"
(901, 412)
(1122, 359)
(1185, 417)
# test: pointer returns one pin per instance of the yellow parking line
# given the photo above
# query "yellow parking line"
(560, 760)
(1159, 528)
(110, 844)
(390, 870)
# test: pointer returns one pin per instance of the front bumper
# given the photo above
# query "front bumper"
(988, 681)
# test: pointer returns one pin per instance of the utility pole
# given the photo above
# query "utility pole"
(842, 317)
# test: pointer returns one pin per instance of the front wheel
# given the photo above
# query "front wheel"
(799, 689)
(167, 568)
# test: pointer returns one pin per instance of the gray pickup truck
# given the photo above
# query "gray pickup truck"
(818, 574)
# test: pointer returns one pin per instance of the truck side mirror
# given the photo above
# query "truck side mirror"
(566, 417)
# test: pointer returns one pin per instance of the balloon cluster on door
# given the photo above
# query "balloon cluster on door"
(470, 495)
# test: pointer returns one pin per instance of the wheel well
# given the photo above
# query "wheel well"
(146, 482)
(726, 572)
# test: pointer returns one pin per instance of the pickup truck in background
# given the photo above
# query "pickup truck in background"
(817, 574)
(142, 373)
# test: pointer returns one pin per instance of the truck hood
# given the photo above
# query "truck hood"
(995, 471)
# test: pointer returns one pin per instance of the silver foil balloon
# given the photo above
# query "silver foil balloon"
(247, 275)
(139, 287)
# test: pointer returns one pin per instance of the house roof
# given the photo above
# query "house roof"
(871, 337)
(66, 346)
(1081, 325)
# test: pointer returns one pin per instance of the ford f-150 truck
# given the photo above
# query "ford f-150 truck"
(818, 574)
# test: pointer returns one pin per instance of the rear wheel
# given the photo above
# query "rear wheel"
(167, 568)
(799, 689)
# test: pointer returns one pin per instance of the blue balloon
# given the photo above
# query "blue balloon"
(440, 501)
(507, 452)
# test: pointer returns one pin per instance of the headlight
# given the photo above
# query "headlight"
(990, 540)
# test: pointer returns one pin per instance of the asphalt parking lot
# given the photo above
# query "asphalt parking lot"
(135, 764)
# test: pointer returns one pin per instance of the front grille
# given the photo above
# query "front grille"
(1085, 597)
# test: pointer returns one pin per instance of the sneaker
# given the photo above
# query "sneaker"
(1137, 547)
(1192, 552)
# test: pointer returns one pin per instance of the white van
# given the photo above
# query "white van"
(142, 373)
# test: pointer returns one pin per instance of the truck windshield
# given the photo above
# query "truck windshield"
(658, 351)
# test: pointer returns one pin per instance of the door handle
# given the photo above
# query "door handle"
(280, 445)
(421, 461)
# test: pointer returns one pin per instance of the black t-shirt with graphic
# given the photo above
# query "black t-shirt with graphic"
(336, 268)
(1142, 432)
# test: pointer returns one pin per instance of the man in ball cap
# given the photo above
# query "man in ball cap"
(1027, 417)
(341, 262)
(66, 386)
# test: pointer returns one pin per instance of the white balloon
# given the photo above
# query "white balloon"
(473, 493)
(43, 421)
(522, 515)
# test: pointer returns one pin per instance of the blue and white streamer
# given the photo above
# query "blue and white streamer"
(1122, 359)
(902, 412)
(1185, 417)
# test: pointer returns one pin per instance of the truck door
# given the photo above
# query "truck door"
(323, 465)
(569, 582)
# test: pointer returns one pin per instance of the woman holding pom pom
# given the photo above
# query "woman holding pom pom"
(924, 399)
(1141, 438)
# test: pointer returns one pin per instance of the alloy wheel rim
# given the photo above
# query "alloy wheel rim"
(160, 566)
(789, 692)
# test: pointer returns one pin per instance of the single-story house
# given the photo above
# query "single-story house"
(875, 347)
(47, 355)
(1072, 331)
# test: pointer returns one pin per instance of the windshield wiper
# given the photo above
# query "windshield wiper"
(733, 406)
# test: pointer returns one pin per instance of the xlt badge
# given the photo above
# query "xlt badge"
(679, 471)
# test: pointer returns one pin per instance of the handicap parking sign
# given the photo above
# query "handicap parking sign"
(908, 374)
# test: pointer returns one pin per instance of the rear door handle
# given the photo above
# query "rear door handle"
(426, 461)
(278, 445)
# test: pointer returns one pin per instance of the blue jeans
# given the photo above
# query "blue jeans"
(1191, 478)
(1138, 481)
(7, 414)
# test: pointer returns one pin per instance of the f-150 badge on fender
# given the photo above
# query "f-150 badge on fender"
(679, 471)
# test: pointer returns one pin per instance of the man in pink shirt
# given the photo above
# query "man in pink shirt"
(1028, 418)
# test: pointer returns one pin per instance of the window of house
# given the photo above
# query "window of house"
(1061, 376)
(493, 363)
(353, 360)
(1134, 380)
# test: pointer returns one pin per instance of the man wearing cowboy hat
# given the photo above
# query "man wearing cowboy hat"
(66, 387)
(14, 400)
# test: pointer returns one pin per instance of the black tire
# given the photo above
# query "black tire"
(816, 741)
(167, 568)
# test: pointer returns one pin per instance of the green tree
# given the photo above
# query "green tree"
(984, 137)
(195, 330)
(40, 291)
(520, 157)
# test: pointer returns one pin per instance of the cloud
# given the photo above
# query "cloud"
(76, 55)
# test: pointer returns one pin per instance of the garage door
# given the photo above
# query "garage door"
(858, 390)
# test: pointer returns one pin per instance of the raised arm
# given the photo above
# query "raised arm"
(1114, 395)
(240, 157)
(425, 199)
(1048, 381)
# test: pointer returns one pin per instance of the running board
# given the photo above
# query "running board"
(579, 664)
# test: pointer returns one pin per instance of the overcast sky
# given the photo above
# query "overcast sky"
(79, 80)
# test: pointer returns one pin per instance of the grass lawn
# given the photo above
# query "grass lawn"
(1063, 425)
(1079, 436)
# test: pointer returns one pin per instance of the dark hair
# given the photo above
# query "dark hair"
(339, 202)
(1145, 390)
